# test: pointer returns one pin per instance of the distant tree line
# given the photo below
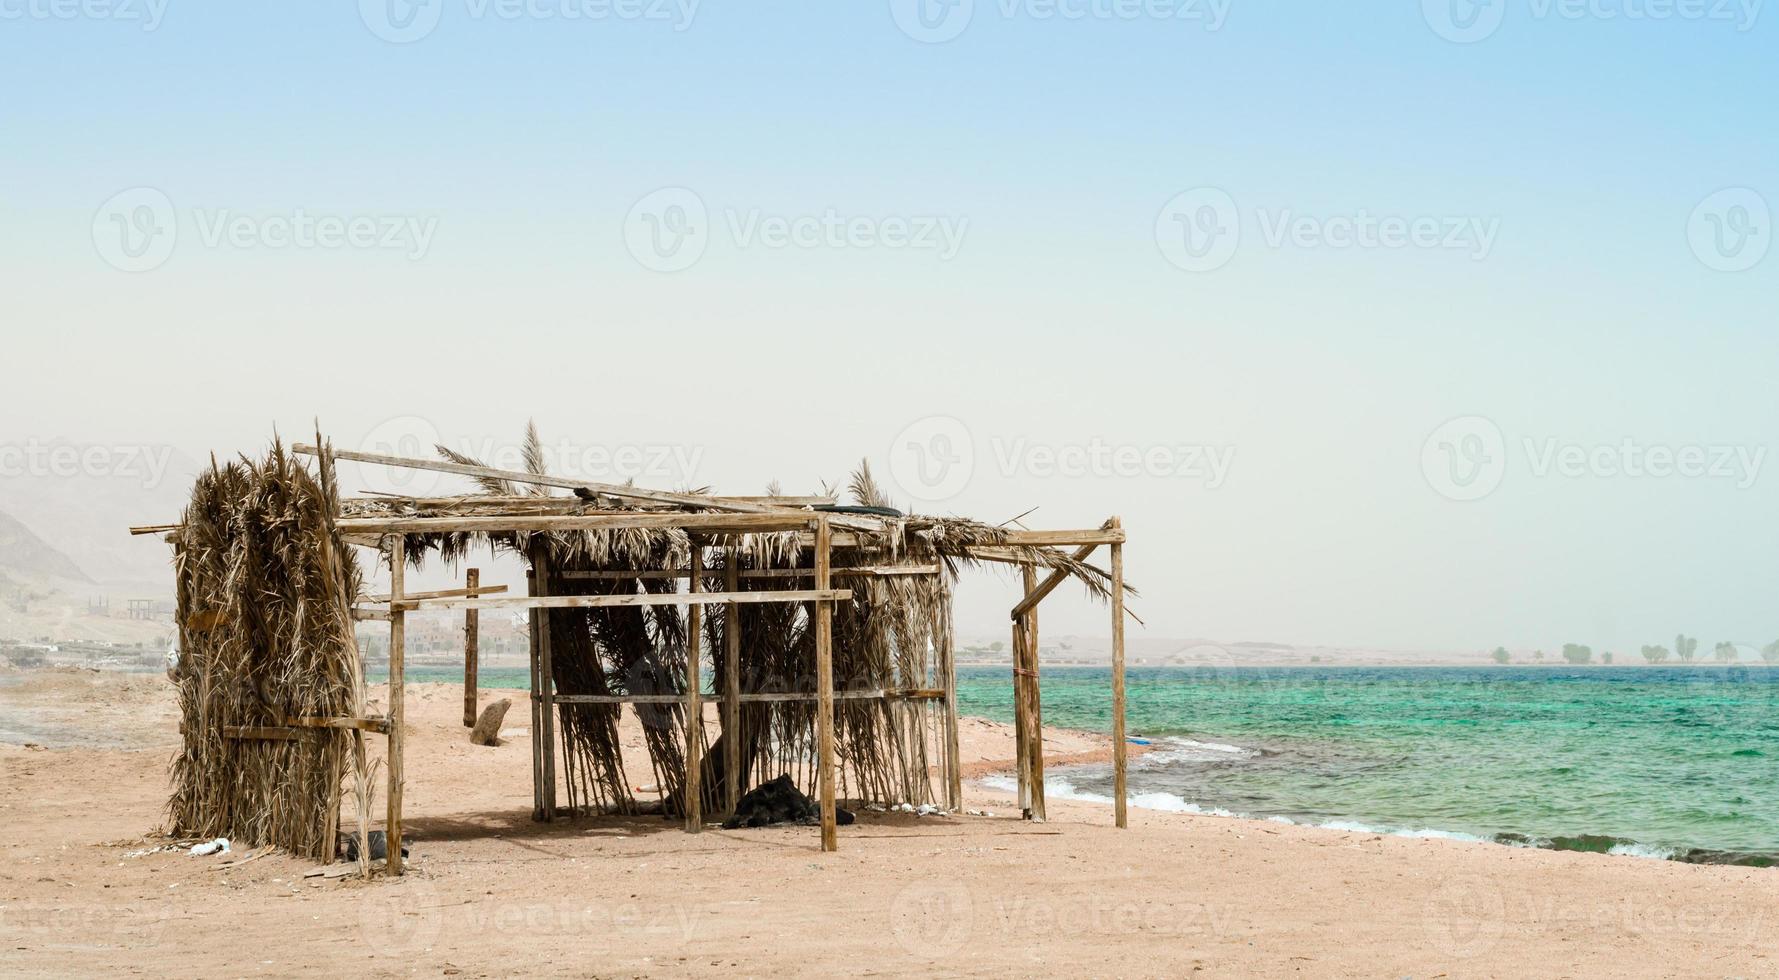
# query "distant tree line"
(1686, 649)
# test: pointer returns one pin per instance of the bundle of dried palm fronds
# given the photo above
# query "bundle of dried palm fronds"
(265, 592)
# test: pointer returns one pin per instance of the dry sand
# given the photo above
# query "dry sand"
(491, 893)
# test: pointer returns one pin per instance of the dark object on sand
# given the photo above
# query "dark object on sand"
(379, 842)
(779, 801)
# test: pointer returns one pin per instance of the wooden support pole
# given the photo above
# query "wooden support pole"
(732, 774)
(1119, 752)
(537, 755)
(954, 776)
(546, 686)
(824, 682)
(472, 637)
(1021, 754)
(1034, 708)
(392, 819)
(694, 795)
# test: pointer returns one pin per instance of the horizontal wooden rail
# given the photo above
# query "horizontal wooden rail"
(653, 574)
(442, 593)
(640, 599)
(783, 520)
(759, 698)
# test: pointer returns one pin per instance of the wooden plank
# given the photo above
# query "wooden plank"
(657, 574)
(1021, 730)
(546, 683)
(778, 520)
(445, 593)
(953, 757)
(1119, 751)
(472, 637)
(608, 489)
(537, 758)
(1035, 595)
(756, 697)
(694, 789)
(732, 776)
(824, 684)
(362, 613)
(378, 725)
(1034, 712)
(392, 820)
(262, 733)
(637, 599)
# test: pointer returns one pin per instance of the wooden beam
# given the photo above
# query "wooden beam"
(474, 590)
(732, 776)
(712, 523)
(693, 784)
(379, 725)
(537, 756)
(635, 599)
(1037, 594)
(762, 697)
(1119, 751)
(262, 733)
(953, 757)
(392, 821)
(608, 489)
(1034, 712)
(472, 636)
(546, 681)
(824, 685)
(661, 574)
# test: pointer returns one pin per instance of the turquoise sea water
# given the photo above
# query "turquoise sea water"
(1678, 762)
(1670, 762)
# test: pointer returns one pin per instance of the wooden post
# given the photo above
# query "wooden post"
(546, 687)
(954, 777)
(1118, 748)
(733, 777)
(537, 759)
(472, 637)
(1021, 752)
(824, 681)
(691, 788)
(1034, 709)
(392, 819)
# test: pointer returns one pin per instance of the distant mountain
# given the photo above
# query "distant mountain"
(22, 552)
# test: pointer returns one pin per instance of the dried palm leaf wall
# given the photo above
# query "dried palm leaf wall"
(265, 590)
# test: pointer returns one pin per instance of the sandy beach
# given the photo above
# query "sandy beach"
(492, 893)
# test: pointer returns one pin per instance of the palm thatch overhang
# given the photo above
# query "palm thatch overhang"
(891, 636)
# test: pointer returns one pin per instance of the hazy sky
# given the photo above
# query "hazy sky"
(1226, 269)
